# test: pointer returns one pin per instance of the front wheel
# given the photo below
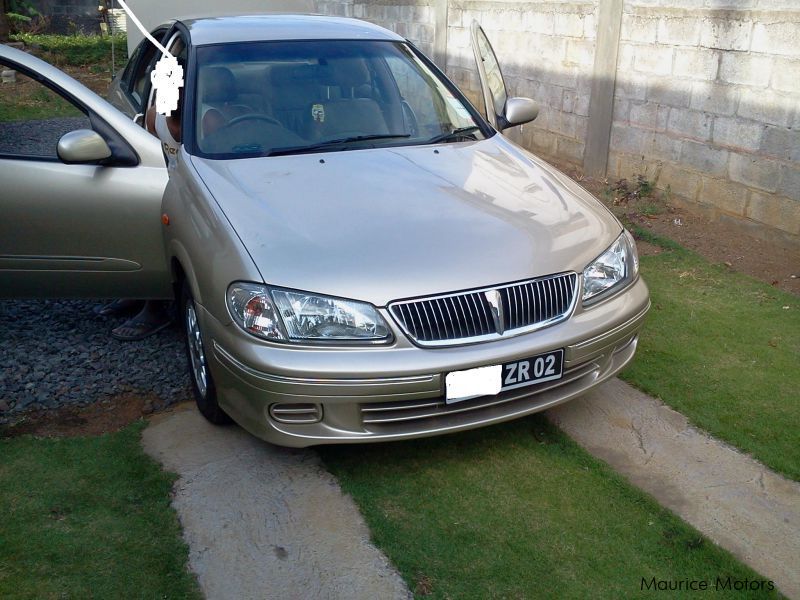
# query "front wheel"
(205, 392)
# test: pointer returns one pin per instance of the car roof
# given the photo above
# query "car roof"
(251, 28)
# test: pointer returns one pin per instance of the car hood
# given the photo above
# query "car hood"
(389, 223)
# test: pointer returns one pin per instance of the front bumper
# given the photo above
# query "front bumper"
(397, 392)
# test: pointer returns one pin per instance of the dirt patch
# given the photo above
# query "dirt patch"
(724, 243)
(423, 586)
(96, 76)
(103, 417)
(648, 249)
(98, 82)
(718, 241)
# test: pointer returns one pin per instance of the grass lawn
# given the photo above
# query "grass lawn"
(79, 49)
(722, 349)
(27, 100)
(84, 57)
(88, 518)
(520, 511)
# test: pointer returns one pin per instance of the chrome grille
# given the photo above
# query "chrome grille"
(469, 316)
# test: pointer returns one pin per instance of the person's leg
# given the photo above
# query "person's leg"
(121, 307)
(153, 317)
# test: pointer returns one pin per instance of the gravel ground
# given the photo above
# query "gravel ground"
(37, 137)
(56, 353)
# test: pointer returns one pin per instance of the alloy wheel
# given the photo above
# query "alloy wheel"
(196, 353)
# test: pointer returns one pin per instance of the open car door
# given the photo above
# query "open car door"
(80, 201)
(501, 110)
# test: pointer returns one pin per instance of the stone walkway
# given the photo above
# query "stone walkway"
(734, 500)
(265, 522)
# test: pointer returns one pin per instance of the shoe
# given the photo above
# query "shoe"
(119, 308)
(135, 329)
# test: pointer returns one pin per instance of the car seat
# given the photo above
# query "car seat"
(292, 92)
(354, 111)
(216, 87)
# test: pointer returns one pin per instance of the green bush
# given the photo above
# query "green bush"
(78, 49)
(16, 19)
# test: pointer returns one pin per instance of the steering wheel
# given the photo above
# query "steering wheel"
(253, 117)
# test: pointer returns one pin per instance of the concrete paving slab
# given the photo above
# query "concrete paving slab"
(733, 499)
(263, 521)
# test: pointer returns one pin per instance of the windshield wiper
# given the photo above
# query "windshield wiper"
(455, 135)
(333, 143)
(247, 148)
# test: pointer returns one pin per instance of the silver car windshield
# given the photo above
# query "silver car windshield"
(277, 98)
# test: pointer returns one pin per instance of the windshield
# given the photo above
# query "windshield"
(274, 98)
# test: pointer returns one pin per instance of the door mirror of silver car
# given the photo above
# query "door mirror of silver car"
(82, 146)
(519, 111)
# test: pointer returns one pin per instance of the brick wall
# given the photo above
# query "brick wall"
(706, 100)
(67, 15)
(708, 103)
(67, 7)
(413, 19)
(546, 52)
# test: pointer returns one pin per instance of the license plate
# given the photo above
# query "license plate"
(489, 381)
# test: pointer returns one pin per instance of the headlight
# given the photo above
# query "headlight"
(617, 265)
(277, 314)
(251, 307)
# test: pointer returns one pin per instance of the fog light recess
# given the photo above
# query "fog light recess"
(296, 414)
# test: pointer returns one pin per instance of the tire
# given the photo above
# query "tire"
(205, 392)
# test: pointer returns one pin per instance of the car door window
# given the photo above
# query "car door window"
(176, 46)
(490, 74)
(493, 75)
(130, 68)
(137, 83)
(140, 82)
(33, 117)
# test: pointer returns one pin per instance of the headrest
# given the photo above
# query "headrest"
(293, 86)
(347, 72)
(217, 84)
(293, 75)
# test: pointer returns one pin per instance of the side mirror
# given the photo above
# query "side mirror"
(82, 146)
(519, 111)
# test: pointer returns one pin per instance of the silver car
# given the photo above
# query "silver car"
(358, 254)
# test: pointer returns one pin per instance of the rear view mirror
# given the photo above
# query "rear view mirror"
(82, 146)
(519, 111)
